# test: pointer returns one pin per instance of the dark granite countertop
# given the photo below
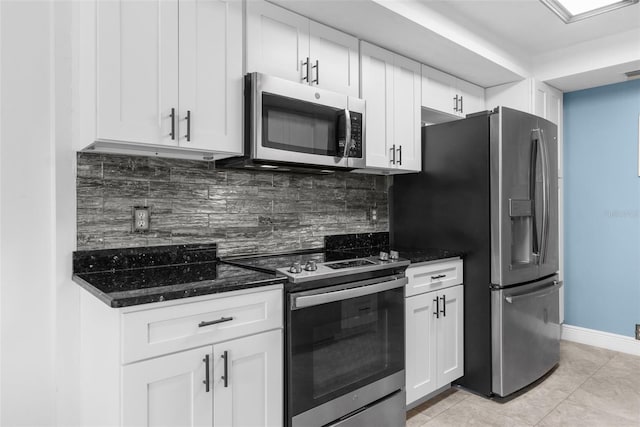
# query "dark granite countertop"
(370, 244)
(133, 276)
(429, 254)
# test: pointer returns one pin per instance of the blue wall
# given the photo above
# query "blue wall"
(602, 208)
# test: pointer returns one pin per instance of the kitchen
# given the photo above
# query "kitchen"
(41, 88)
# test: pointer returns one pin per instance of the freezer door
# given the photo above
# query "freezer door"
(525, 334)
(523, 197)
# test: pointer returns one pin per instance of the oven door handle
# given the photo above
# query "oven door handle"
(303, 301)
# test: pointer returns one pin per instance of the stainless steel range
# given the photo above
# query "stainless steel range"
(344, 338)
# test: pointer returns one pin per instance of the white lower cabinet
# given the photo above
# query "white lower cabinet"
(203, 361)
(253, 392)
(194, 388)
(167, 391)
(434, 335)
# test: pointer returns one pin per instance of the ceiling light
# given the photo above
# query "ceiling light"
(575, 10)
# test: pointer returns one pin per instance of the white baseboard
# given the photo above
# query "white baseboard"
(601, 339)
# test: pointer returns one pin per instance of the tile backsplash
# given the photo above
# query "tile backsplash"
(243, 211)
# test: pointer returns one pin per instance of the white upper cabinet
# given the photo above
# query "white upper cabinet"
(445, 93)
(137, 70)
(377, 90)
(406, 114)
(211, 82)
(391, 87)
(471, 97)
(277, 41)
(531, 96)
(169, 72)
(284, 44)
(438, 90)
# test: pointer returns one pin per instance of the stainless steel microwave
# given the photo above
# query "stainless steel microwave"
(293, 126)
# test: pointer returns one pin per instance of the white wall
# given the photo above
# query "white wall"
(37, 204)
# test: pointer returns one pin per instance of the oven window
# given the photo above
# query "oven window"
(294, 125)
(339, 347)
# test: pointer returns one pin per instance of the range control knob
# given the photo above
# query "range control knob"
(310, 266)
(295, 268)
(384, 256)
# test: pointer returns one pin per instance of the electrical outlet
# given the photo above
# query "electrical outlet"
(141, 219)
(637, 331)
(372, 214)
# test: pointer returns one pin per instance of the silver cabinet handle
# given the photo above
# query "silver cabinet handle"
(173, 123)
(400, 155)
(317, 67)
(214, 322)
(225, 376)
(444, 305)
(461, 105)
(207, 384)
(455, 103)
(305, 78)
(436, 300)
(393, 153)
(188, 118)
(439, 276)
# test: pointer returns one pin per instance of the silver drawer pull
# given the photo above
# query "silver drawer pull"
(214, 322)
(439, 276)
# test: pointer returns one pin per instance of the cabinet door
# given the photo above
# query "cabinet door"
(211, 75)
(253, 395)
(137, 62)
(277, 41)
(450, 335)
(438, 90)
(376, 77)
(472, 98)
(167, 391)
(420, 353)
(337, 59)
(406, 113)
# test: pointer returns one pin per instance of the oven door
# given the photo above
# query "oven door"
(345, 349)
(296, 123)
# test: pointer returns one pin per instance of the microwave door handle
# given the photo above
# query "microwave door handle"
(347, 142)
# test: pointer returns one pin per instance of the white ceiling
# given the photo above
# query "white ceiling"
(527, 28)
(489, 42)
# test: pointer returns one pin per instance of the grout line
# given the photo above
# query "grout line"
(576, 389)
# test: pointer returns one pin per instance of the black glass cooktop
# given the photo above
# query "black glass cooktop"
(349, 264)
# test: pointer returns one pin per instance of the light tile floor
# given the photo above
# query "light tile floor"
(590, 387)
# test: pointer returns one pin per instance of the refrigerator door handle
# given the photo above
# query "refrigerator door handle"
(532, 193)
(544, 154)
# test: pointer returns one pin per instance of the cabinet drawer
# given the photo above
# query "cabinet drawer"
(165, 330)
(433, 276)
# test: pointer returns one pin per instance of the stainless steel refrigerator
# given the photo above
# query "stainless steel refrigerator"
(489, 188)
